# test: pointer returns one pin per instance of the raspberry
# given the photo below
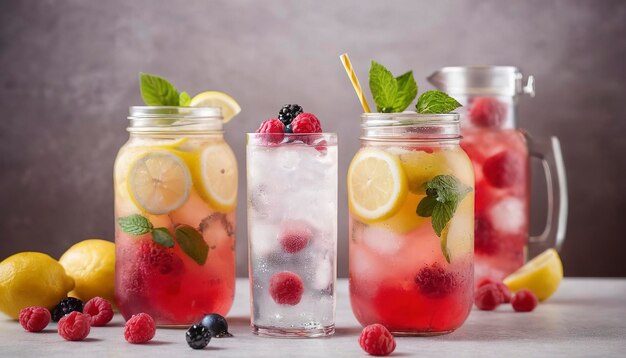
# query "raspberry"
(485, 237)
(140, 328)
(287, 114)
(74, 326)
(100, 310)
(275, 127)
(504, 290)
(503, 170)
(487, 112)
(294, 237)
(34, 319)
(435, 282)
(156, 258)
(306, 123)
(376, 340)
(524, 301)
(286, 288)
(488, 297)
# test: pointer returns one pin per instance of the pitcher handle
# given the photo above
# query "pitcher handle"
(549, 152)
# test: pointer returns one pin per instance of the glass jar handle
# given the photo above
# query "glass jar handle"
(549, 152)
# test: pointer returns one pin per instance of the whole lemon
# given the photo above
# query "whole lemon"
(91, 263)
(31, 279)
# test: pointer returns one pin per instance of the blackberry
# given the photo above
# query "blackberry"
(288, 128)
(198, 336)
(67, 305)
(216, 324)
(288, 113)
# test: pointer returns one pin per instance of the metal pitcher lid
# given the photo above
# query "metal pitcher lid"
(482, 80)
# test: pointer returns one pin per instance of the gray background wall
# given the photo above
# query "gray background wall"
(68, 72)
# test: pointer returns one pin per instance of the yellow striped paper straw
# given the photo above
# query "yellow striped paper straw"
(355, 81)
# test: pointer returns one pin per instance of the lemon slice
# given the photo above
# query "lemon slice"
(377, 185)
(218, 176)
(541, 275)
(159, 182)
(230, 107)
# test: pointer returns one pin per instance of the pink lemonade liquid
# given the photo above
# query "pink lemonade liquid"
(500, 159)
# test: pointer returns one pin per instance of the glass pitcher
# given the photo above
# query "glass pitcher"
(500, 152)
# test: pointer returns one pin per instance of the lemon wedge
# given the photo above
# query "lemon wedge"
(377, 185)
(230, 107)
(541, 275)
(216, 176)
(159, 182)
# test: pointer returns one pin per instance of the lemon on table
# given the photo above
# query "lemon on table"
(215, 176)
(159, 182)
(541, 275)
(377, 185)
(230, 107)
(91, 263)
(31, 279)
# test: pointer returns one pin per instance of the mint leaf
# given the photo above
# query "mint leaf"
(157, 91)
(135, 224)
(432, 102)
(184, 100)
(192, 243)
(407, 90)
(443, 195)
(384, 87)
(162, 237)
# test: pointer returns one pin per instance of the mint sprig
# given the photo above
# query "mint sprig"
(435, 102)
(391, 94)
(192, 243)
(139, 225)
(443, 195)
(157, 91)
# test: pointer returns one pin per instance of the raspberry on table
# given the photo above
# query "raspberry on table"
(34, 319)
(294, 236)
(100, 310)
(434, 281)
(487, 112)
(67, 305)
(504, 290)
(488, 297)
(275, 128)
(503, 170)
(524, 301)
(306, 123)
(286, 288)
(376, 340)
(288, 113)
(198, 336)
(140, 328)
(74, 326)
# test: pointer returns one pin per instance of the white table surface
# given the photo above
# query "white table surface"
(586, 317)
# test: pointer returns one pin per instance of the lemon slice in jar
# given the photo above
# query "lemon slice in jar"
(159, 182)
(215, 176)
(230, 107)
(377, 185)
(542, 275)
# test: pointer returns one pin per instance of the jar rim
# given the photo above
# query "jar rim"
(175, 119)
(410, 126)
(292, 139)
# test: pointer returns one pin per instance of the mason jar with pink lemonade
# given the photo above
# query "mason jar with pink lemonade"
(501, 153)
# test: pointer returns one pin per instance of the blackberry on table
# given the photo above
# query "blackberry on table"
(288, 113)
(67, 305)
(198, 336)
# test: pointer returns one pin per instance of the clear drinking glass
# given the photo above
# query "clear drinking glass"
(403, 273)
(500, 152)
(292, 233)
(175, 194)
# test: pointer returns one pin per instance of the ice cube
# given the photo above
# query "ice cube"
(263, 239)
(382, 241)
(508, 215)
